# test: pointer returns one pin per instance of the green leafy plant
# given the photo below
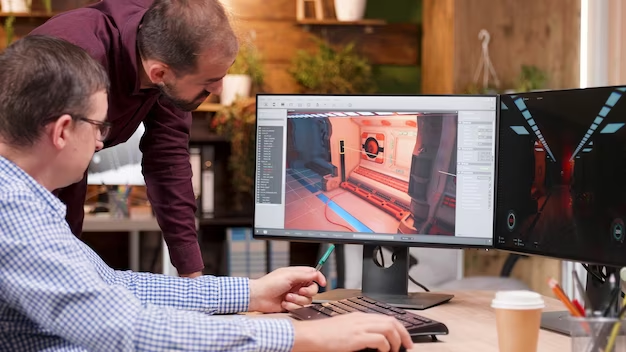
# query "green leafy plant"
(330, 71)
(249, 62)
(237, 122)
(531, 78)
(47, 4)
(9, 29)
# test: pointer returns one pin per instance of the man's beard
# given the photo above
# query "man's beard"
(169, 92)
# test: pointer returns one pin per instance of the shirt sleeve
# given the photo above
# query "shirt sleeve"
(207, 294)
(167, 172)
(47, 277)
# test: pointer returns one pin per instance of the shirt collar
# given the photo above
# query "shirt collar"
(11, 169)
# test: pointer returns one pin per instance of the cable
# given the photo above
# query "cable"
(596, 274)
(418, 284)
(381, 263)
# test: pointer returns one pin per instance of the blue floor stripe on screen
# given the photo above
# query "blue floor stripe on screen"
(354, 222)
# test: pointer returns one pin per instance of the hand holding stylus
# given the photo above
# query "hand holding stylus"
(285, 289)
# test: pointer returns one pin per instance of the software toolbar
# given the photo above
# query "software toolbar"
(381, 103)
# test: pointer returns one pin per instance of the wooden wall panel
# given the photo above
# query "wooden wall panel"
(266, 10)
(393, 44)
(533, 271)
(273, 10)
(438, 46)
(278, 79)
(531, 32)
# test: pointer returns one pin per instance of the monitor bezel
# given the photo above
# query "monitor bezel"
(382, 242)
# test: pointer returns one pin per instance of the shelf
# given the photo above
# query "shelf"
(34, 14)
(367, 24)
(334, 22)
(209, 107)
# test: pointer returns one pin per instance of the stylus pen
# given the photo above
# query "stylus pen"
(582, 292)
(324, 258)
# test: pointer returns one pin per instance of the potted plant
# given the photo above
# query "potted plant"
(350, 10)
(244, 77)
(531, 78)
(237, 122)
(22, 6)
(330, 71)
(15, 6)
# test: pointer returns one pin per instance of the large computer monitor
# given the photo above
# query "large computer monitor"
(562, 179)
(395, 171)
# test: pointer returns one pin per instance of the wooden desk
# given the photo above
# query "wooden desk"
(472, 325)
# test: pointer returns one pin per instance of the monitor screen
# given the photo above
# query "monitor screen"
(401, 170)
(118, 165)
(562, 174)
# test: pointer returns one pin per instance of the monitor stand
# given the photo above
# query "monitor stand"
(389, 285)
(597, 292)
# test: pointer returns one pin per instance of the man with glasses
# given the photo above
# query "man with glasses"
(56, 294)
(163, 59)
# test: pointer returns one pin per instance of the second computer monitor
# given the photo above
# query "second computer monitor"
(395, 171)
(562, 175)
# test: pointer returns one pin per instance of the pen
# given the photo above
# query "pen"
(616, 327)
(613, 297)
(324, 258)
(574, 312)
(582, 291)
(558, 292)
(579, 307)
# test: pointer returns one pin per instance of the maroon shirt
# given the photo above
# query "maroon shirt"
(107, 31)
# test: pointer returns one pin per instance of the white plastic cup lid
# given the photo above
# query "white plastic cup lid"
(517, 300)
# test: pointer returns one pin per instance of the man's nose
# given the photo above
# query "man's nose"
(99, 145)
(215, 88)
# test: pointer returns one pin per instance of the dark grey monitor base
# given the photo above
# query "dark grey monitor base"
(556, 322)
(414, 300)
(387, 284)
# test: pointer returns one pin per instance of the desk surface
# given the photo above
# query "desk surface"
(105, 223)
(472, 325)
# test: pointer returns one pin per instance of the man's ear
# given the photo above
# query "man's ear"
(157, 71)
(60, 131)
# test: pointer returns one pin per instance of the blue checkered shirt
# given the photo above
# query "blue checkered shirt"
(56, 294)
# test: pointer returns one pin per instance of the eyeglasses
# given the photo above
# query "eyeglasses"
(103, 126)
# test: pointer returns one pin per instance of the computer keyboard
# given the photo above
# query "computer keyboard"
(416, 325)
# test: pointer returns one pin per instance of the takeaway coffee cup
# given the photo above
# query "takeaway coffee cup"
(518, 316)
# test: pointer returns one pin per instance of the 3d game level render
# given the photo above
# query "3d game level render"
(371, 172)
(562, 170)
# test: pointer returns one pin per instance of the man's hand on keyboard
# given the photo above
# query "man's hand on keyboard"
(285, 289)
(351, 332)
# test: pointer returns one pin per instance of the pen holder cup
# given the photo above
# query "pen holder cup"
(118, 205)
(598, 334)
